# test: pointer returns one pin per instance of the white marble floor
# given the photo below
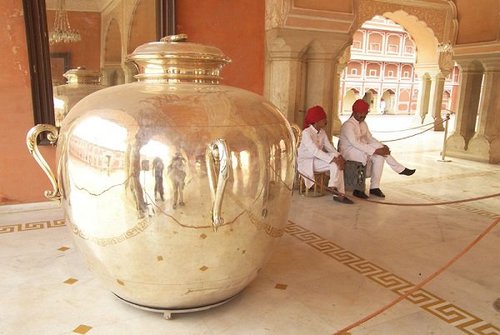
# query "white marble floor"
(335, 265)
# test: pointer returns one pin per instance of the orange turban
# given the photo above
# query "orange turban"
(360, 107)
(313, 115)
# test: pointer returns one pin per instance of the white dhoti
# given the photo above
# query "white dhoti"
(336, 175)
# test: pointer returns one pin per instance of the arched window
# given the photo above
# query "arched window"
(393, 44)
(375, 42)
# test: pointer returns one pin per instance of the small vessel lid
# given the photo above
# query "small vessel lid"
(81, 75)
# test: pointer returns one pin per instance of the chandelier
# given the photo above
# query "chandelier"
(62, 31)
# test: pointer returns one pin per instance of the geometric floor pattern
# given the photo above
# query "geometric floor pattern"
(446, 311)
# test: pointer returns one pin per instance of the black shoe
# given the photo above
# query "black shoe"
(342, 199)
(407, 172)
(359, 194)
(378, 192)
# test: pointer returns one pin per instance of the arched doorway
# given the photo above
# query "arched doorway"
(371, 97)
(349, 97)
(293, 26)
(112, 67)
(388, 101)
(425, 76)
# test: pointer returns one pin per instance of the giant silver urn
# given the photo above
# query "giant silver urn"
(175, 188)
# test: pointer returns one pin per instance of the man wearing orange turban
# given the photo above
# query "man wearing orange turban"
(356, 143)
(317, 154)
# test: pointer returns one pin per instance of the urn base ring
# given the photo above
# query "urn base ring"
(167, 312)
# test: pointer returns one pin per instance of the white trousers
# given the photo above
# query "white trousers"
(375, 167)
(336, 175)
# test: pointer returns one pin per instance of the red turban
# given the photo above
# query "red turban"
(313, 115)
(360, 107)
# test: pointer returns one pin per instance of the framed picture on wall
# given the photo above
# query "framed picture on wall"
(59, 64)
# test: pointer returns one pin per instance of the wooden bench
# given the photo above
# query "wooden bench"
(319, 187)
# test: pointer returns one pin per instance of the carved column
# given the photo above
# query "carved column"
(485, 145)
(430, 96)
(283, 83)
(423, 96)
(319, 80)
(468, 101)
(445, 63)
(436, 99)
(319, 90)
(335, 123)
(325, 63)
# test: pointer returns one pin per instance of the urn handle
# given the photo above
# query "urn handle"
(297, 134)
(218, 162)
(31, 142)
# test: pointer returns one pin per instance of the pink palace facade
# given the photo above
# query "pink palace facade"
(381, 71)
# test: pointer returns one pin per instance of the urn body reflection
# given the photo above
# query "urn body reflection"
(175, 188)
(80, 83)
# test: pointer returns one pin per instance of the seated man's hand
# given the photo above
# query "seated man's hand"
(340, 161)
(384, 151)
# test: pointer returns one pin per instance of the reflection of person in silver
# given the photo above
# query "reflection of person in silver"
(177, 174)
(158, 173)
(382, 106)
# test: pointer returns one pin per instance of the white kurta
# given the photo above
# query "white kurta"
(356, 143)
(315, 154)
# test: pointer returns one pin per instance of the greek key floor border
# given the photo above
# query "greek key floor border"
(21, 227)
(446, 311)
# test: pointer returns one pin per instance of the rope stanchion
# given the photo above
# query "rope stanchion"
(336, 192)
(443, 151)
(406, 137)
(402, 130)
(344, 330)
(432, 125)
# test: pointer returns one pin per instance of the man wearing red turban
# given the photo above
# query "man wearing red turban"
(317, 154)
(313, 115)
(356, 143)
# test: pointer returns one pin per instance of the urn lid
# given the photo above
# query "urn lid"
(173, 59)
(81, 75)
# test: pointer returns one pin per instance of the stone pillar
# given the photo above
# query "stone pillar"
(335, 123)
(468, 101)
(485, 144)
(340, 65)
(300, 71)
(423, 96)
(436, 99)
(454, 98)
(446, 64)
(322, 77)
(319, 85)
(283, 90)
(319, 80)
